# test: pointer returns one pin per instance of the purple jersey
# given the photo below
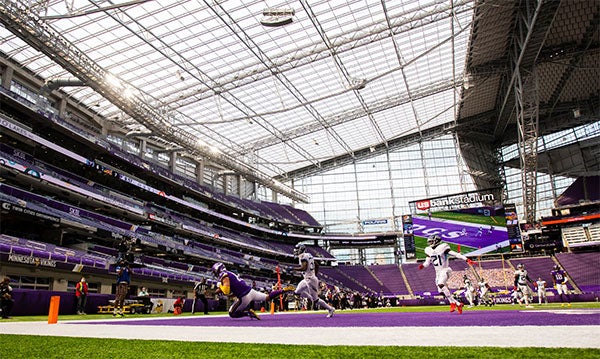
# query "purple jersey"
(239, 288)
(560, 277)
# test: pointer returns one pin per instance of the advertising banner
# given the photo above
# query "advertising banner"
(408, 235)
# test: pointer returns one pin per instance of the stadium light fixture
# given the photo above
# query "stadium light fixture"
(128, 93)
(112, 80)
(214, 150)
(358, 84)
(275, 17)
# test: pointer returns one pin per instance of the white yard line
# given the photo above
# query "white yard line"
(519, 336)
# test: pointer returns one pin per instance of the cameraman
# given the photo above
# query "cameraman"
(6, 301)
(123, 281)
(124, 248)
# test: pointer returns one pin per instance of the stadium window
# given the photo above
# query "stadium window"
(28, 282)
(157, 293)
(178, 293)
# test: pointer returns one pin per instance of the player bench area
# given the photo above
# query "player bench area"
(129, 307)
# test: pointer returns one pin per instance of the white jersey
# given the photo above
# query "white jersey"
(469, 286)
(541, 285)
(483, 286)
(438, 256)
(521, 276)
(309, 286)
(310, 264)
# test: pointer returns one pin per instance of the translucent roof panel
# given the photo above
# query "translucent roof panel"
(342, 76)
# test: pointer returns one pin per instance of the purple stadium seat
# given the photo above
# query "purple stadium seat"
(5, 248)
(72, 259)
(59, 257)
(87, 262)
(21, 250)
(41, 254)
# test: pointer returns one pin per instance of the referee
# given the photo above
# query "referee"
(200, 293)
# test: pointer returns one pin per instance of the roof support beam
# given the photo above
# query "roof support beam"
(526, 90)
(247, 40)
(370, 152)
(356, 113)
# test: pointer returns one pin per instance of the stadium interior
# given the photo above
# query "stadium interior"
(230, 133)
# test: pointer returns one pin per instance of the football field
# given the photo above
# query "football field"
(506, 326)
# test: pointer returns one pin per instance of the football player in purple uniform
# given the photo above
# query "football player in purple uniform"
(437, 255)
(559, 278)
(231, 285)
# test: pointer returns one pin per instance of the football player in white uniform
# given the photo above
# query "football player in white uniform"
(521, 279)
(469, 290)
(437, 255)
(484, 293)
(309, 286)
(541, 290)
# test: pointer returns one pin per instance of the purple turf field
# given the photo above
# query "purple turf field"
(358, 319)
(576, 328)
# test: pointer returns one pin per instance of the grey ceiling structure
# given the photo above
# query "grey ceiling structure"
(578, 159)
(532, 69)
(344, 81)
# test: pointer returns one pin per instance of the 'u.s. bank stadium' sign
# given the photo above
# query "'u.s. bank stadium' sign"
(458, 200)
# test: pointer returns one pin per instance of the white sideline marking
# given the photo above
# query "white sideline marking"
(513, 336)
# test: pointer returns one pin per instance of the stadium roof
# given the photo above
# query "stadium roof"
(341, 80)
(342, 76)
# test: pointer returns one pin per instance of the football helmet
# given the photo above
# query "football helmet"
(556, 267)
(433, 240)
(520, 266)
(299, 249)
(217, 268)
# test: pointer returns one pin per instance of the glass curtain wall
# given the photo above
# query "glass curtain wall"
(380, 188)
(377, 190)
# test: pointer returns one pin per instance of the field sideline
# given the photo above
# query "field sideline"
(166, 336)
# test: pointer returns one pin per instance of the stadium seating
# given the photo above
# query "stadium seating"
(56, 209)
(392, 279)
(270, 211)
(338, 278)
(583, 269)
(363, 276)
(537, 267)
(420, 281)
